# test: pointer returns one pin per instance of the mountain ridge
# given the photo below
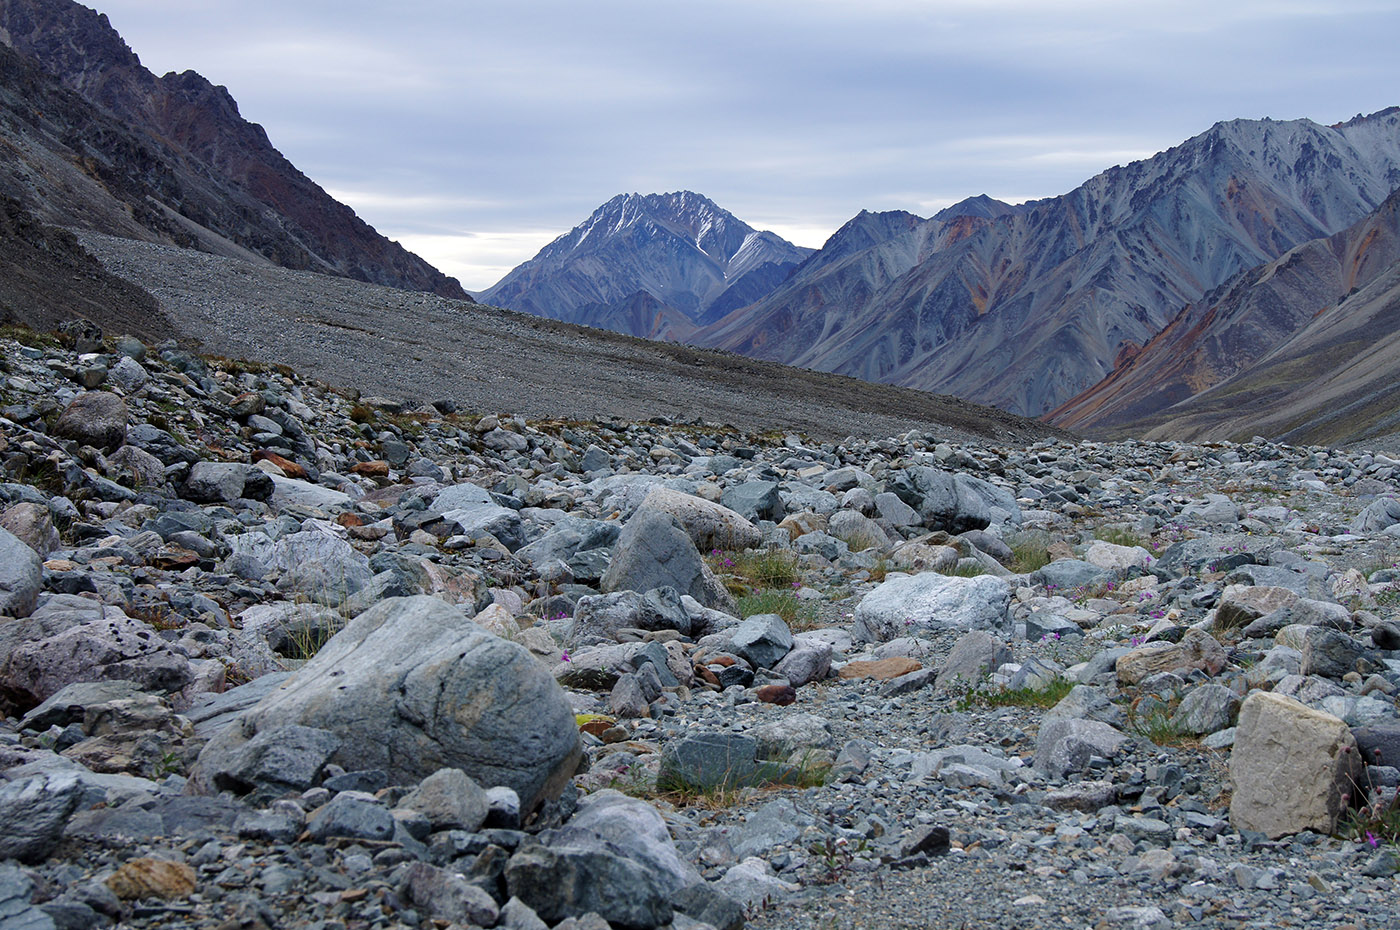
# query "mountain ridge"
(679, 254)
(176, 156)
(1025, 309)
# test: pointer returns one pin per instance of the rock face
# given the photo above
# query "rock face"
(411, 686)
(930, 601)
(233, 191)
(1291, 766)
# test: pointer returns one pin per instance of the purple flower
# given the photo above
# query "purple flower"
(1372, 840)
(565, 657)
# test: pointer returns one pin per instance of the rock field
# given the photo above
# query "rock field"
(273, 657)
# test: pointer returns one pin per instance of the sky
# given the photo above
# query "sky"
(475, 133)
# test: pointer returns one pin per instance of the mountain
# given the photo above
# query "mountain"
(98, 142)
(1026, 307)
(652, 265)
(1304, 348)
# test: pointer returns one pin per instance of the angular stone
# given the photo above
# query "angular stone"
(610, 821)
(808, 661)
(354, 814)
(762, 640)
(1330, 653)
(411, 686)
(654, 551)
(94, 418)
(973, 657)
(563, 882)
(708, 760)
(1197, 650)
(929, 601)
(1207, 708)
(33, 813)
(790, 733)
(754, 500)
(450, 800)
(21, 576)
(1290, 767)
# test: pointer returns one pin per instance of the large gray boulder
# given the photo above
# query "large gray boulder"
(915, 604)
(655, 551)
(217, 482)
(411, 686)
(21, 576)
(611, 821)
(951, 502)
(709, 525)
(94, 418)
(599, 617)
(481, 519)
(33, 812)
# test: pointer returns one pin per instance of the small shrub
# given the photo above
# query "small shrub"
(1160, 729)
(1119, 536)
(1045, 697)
(783, 603)
(362, 413)
(1028, 557)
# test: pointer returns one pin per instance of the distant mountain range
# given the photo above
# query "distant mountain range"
(96, 141)
(1305, 348)
(658, 266)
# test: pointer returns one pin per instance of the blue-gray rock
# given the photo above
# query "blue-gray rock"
(1379, 743)
(1085, 702)
(655, 551)
(1376, 516)
(776, 823)
(1207, 708)
(353, 814)
(218, 482)
(412, 686)
(448, 896)
(1065, 746)
(973, 657)
(708, 760)
(16, 913)
(33, 813)
(1064, 575)
(755, 500)
(610, 821)
(450, 800)
(21, 576)
(558, 883)
(762, 640)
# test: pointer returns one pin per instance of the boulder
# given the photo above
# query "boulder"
(33, 813)
(655, 551)
(411, 686)
(610, 821)
(21, 576)
(762, 640)
(944, 501)
(974, 656)
(1197, 650)
(709, 525)
(94, 418)
(599, 617)
(1111, 557)
(1065, 746)
(929, 601)
(1241, 605)
(1292, 767)
(1207, 708)
(754, 500)
(476, 520)
(562, 882)
(32, 525)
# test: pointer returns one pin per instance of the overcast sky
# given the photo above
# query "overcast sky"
(474, 133)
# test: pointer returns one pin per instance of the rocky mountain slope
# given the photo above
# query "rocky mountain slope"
(276, 658)
(1270, 339)
(654, 265)
(1027, 308)
(98, 142)
(422, 347)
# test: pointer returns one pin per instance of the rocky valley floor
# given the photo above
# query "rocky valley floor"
(274, 657)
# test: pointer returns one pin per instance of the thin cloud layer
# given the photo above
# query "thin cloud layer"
(480, 131)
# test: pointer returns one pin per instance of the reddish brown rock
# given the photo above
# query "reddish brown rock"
(152, 878)
(881, 669)
(375, 469)
(289, 468)
(782, 695)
